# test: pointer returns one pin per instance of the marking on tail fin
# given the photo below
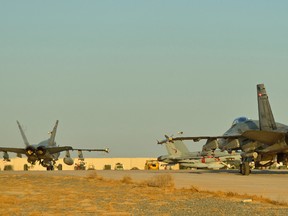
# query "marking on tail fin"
(175, 150)
(53, 134)
(266, 118)
(172, 149)
(181, 147)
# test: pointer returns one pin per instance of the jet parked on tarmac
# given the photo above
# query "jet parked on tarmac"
(178, 153)
(46, 152)
(263, 142)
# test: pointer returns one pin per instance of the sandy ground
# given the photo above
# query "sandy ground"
(92, 193)
(271, 184)
(265, 183)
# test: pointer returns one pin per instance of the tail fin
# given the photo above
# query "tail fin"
(266, 118)
(176, 148)
(23, 135)
(53, 134)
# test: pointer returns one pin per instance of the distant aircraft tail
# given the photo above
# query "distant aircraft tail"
(53, 135)
(266, 118)
(176, 148)
(23, 135)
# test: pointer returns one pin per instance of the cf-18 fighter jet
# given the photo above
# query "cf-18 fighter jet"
(262, 141)
(46, 152)
(179, 153)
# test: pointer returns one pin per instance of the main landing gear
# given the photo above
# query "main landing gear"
(245, 166)
(50, 167)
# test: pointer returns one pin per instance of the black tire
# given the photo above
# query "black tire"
(59, 167)
(50, 168)
(245, 168)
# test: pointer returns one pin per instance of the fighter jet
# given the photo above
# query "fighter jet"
(46, 152)
(263, 142)
(179, 153)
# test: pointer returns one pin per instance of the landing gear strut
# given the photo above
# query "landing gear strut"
(48, 164)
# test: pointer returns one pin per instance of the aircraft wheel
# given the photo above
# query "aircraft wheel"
(50, 168)
(241, 169)
(25, 167)
(245, 168)
(59, 167)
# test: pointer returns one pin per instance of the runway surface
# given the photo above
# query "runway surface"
(265, 183)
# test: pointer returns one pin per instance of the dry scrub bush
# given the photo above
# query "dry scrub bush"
(194, 189)
(127, 180)
(94, 176)
(161, 181)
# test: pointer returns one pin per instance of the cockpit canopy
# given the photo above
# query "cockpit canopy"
(239, 120)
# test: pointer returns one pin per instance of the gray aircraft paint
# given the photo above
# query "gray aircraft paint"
(261, 141)
(46, 152)
(179, 153)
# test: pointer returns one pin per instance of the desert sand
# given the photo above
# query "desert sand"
(137, 193)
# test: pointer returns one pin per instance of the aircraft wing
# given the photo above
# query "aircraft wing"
(267, 137)
(90, 150)
(53, 150)
(14, 150)
(196, 138)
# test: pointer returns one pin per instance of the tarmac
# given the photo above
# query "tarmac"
(270, 184)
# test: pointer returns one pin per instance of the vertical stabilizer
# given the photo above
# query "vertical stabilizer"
(171, 149)
(53, 134)
(23, 135)
(266, 118)
(176, 148)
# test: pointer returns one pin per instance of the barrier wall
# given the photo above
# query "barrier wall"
(92, 163)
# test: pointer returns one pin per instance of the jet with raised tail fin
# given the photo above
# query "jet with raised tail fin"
(45, 152)
(262, 142)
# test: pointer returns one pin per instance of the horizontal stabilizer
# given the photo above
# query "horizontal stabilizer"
(267, 137)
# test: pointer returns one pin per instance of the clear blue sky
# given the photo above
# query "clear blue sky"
(121, 74)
